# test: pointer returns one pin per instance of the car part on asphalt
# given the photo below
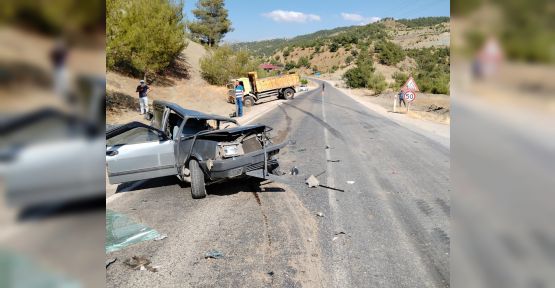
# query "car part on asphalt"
(332, 188)
(122, 231)
(110, 261)
(161, 237)
(140, 263)
(214, 254)
(312, 182)
(294, 171)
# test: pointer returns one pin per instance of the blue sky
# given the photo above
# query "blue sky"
(268, 19)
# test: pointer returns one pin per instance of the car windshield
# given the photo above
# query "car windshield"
(193, 126)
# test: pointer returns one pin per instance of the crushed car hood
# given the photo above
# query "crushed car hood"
(232, 133)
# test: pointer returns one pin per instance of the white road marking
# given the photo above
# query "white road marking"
(341, 279)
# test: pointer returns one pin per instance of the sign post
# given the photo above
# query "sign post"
(409, 97)
(409, 89)
(394, 102)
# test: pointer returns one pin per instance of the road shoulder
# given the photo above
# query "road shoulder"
(441, 133)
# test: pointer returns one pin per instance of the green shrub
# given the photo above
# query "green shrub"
(358, 77)
(389, 53)
(334, 47)
(349, 59)
(304, 81)
(290, 65)
(400, 79)
(433, 69)
(303, 62)
(376, 82)
(223, 64)
(287, 52)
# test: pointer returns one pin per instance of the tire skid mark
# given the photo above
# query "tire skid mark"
(444, 206)
(328, 127)
(441, 235)
(424, 207)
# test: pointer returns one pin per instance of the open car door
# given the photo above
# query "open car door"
(136, 151)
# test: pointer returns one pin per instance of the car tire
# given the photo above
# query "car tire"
(198, 189)
(289, 93)
(248, 102)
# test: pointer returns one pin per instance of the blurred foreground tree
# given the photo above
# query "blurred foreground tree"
(143, 36)
(71, 17)
(212, 22)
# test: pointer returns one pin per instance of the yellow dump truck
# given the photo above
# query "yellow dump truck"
(282, 86)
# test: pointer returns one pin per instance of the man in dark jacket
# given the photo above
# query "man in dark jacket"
(143, 90)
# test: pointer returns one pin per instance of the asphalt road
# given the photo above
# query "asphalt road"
(385, 225)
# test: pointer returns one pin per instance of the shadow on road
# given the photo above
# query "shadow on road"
(151, 183)
(249, 184)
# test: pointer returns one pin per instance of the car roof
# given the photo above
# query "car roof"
(187, 113)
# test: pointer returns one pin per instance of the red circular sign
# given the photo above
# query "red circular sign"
(409, 96)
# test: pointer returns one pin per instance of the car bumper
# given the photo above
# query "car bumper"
(240, 165)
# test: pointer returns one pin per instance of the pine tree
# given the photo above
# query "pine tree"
(144, 36)
(212, 21)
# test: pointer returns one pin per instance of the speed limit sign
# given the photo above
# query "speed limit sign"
(409, 96)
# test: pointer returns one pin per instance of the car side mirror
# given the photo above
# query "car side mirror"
(149, 116)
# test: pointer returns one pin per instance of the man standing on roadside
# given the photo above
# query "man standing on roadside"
(143, 90)
(239, 91)
(402, 98)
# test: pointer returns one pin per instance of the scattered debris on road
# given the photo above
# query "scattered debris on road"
(140, 263)
(294, 171)
(214, 254)
(312, 182)
(337, 235)
(334, 161)
(320, 214)
(161, 237)
(110, 261)
(332, 188)
(122, 231)
(351, 182)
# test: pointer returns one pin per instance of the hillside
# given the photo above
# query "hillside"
(403, 31)
(397, 48)
(184, 87)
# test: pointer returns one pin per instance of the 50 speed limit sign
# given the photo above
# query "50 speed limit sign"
(409, 96)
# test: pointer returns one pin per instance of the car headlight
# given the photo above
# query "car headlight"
(231, 150)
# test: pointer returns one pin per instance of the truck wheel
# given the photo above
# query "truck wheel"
(249, 101)
(198, 189)
(289, 93)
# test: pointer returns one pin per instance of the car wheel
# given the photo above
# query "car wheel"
(289, 93)
(198, 189)
(249, 101)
